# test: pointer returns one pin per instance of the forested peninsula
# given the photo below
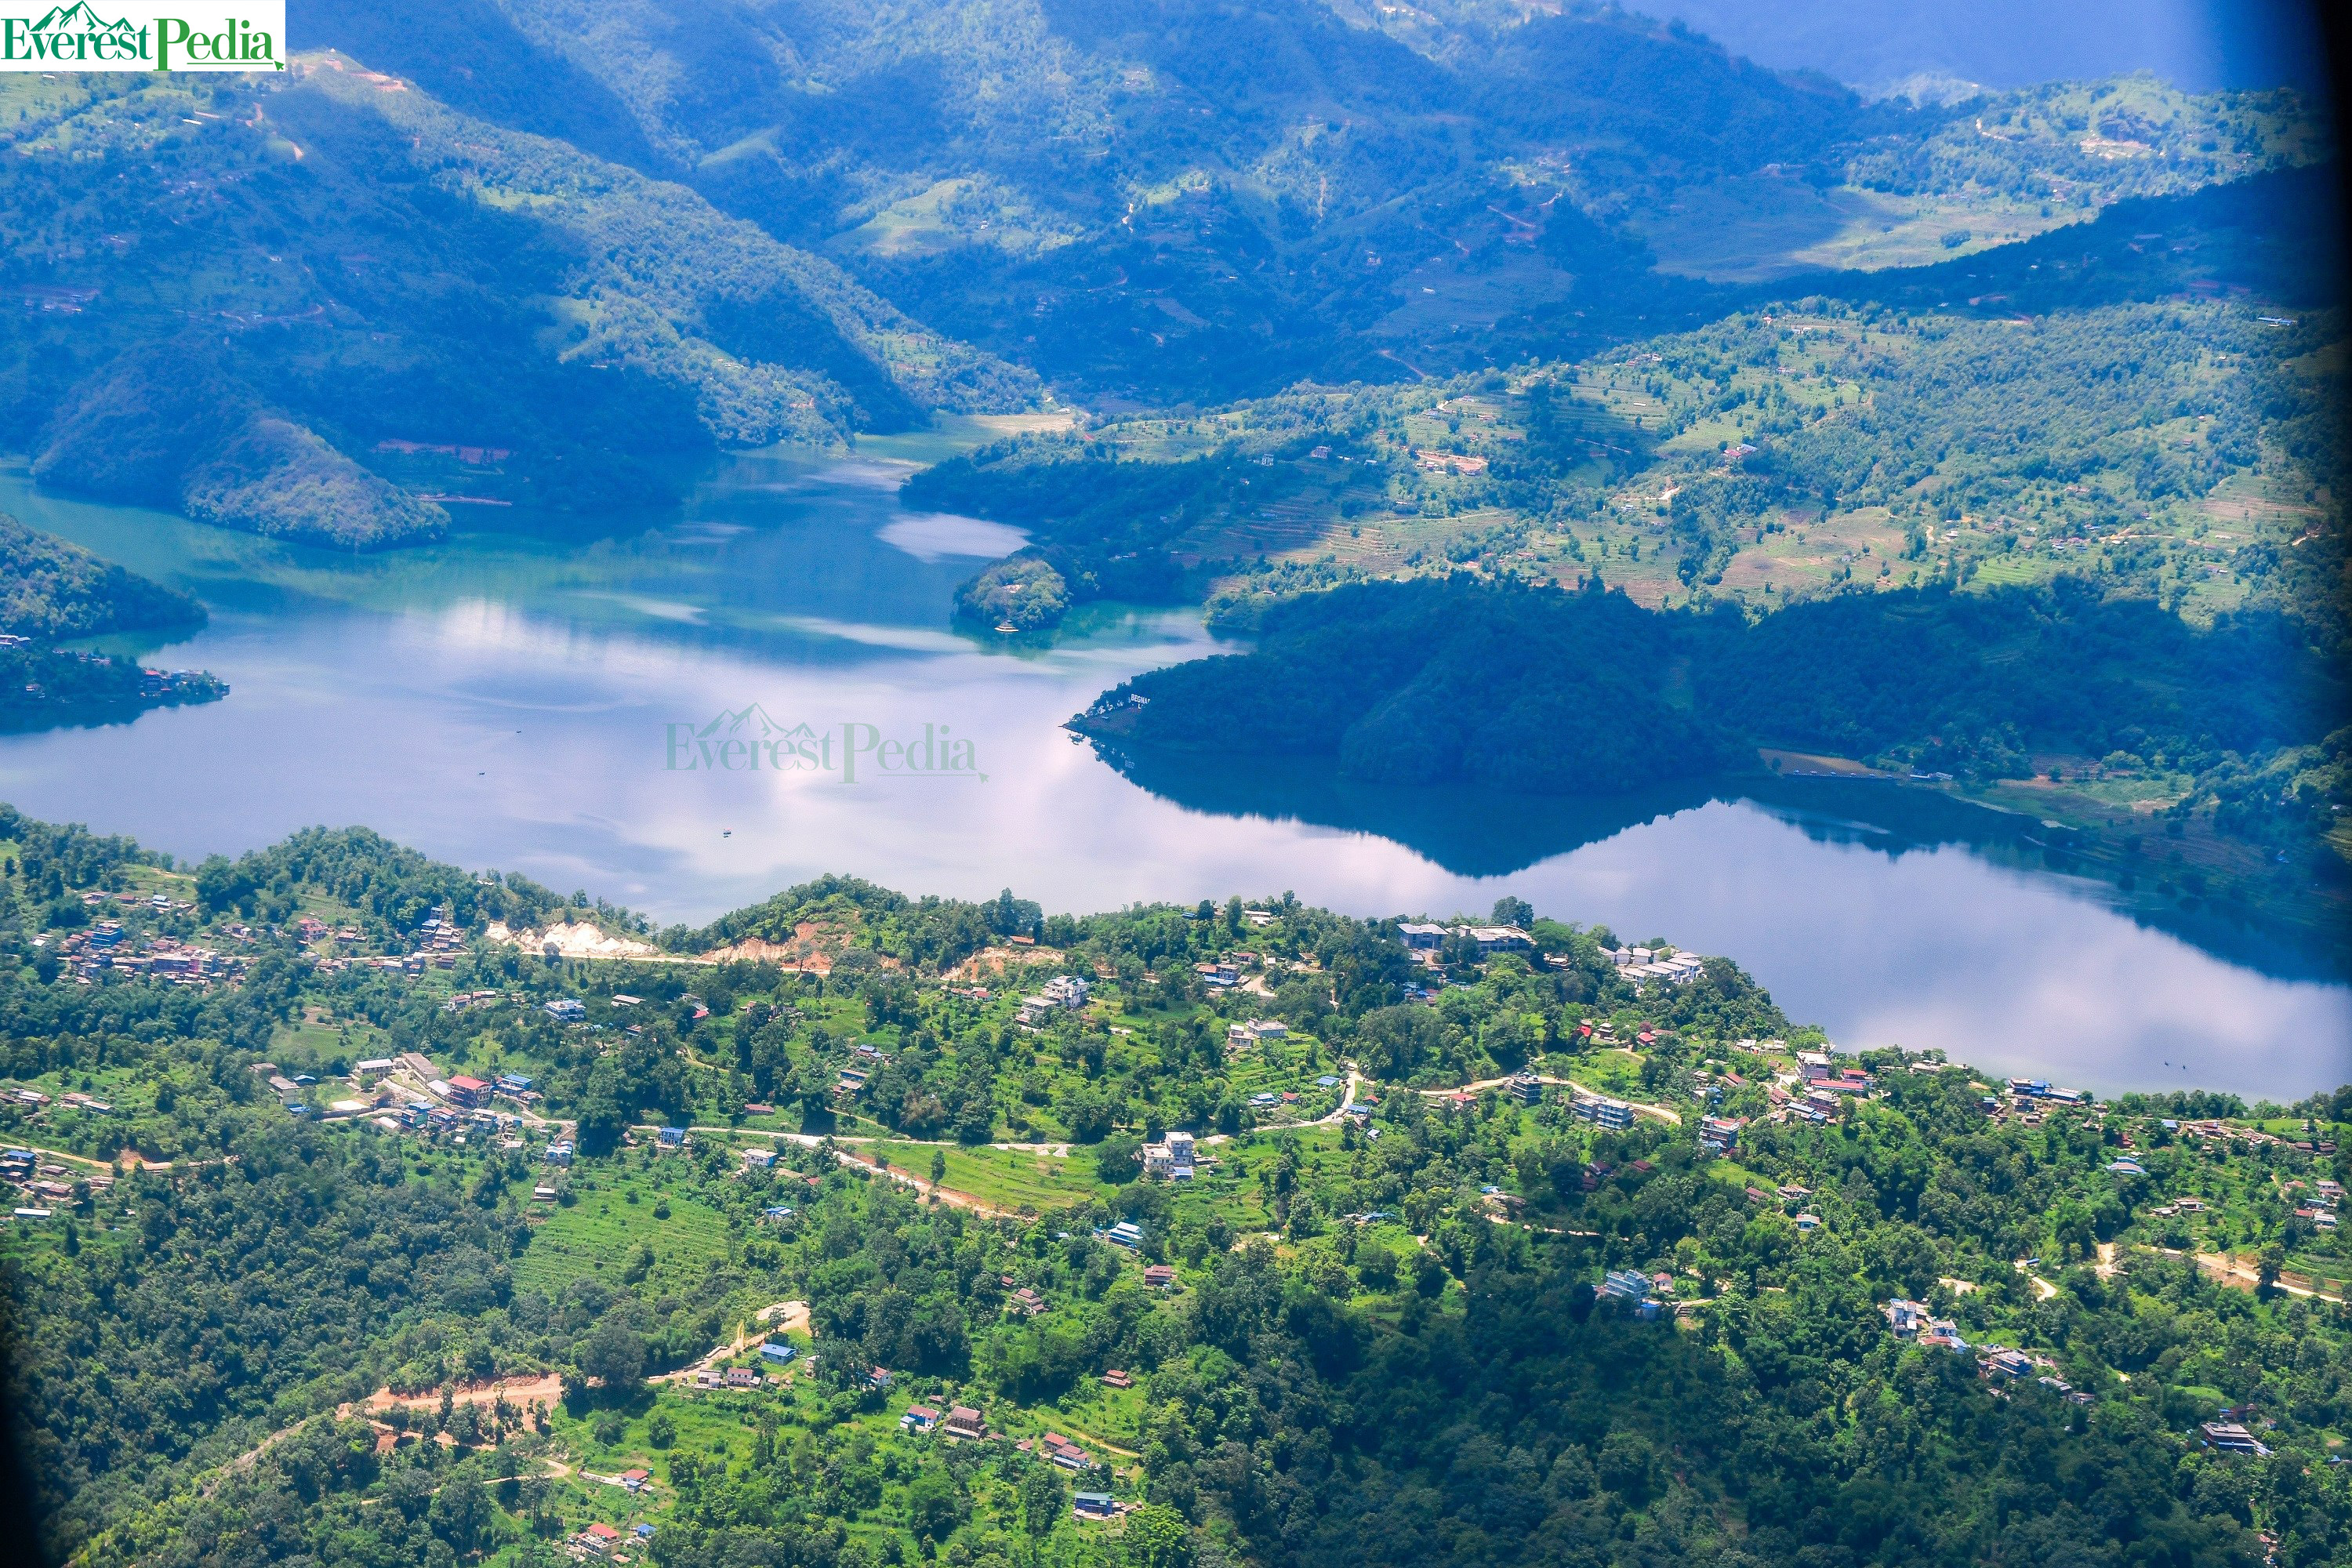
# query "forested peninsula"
(52, 590)
(1585, 692)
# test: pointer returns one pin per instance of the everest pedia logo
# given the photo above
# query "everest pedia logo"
(748, 741)
(76, 37)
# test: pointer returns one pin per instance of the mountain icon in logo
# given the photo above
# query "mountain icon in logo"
(62, 18)
(752, 719)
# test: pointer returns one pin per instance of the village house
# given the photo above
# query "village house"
(964, 1423)
(1171, 1159)
(918, 1418)
(1612, 1115)
(2229, 1437)
(1497, 939)
(1999, 1361)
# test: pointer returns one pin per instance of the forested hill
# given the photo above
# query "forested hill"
(261, 1311)
(1550, 691)
(404, 307)
(49, 588)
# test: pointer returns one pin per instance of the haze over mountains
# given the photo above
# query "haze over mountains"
(599, 242)
(2202, 45)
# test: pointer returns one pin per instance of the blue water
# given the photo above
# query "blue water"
(507, 699)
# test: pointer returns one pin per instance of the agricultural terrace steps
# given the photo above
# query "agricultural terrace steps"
(1659, 1111)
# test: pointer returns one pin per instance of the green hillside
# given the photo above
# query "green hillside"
(328, 305)
(1456, 1324)
(50, 589)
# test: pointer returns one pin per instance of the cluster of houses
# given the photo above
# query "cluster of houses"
(733, 1377)
(1256, 1031)
(2000, 1362)
(1060, 1451)
(1636, 1291)
(461, 1127)
(33, 1102)
(1424, 938)
(43, 1185)
(2319, 1208)
(1171, 1159)
(1790, 1197)
(1818, 1090)
(106, 946)
(1643, 965)
(1917, 1321)
(604, 1540)
(962, 1423)
(439, 940)
(467, 1001)
(1063, 994)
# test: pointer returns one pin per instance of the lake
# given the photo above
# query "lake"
(687, 717)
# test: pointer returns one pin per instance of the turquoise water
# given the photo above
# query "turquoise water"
(524, 699)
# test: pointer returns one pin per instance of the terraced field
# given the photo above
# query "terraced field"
(602, 1232)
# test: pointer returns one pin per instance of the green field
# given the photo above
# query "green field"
(1003, 1178)
(601, 1233)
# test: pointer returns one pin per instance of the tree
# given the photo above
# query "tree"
(933, 1507)
(460, 1513)
(1393, 1042)
(1156, 1537)
(614, 1355)
(1043, 1499)
(938, 1166)
(602, 1116)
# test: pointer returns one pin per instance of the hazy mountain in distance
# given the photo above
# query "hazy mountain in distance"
(2201, 45)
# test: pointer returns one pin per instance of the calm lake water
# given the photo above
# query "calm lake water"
(510, 700)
